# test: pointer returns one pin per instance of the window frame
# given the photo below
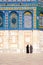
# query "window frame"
(9, 27)
(41, 17)
(31, 21)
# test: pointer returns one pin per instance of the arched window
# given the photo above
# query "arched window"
(27, 20)
(13, 20)
(1, 19)
(41, 20)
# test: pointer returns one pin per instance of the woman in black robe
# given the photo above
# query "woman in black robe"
(27, 49)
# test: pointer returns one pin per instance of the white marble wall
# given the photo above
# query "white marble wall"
(16, 41)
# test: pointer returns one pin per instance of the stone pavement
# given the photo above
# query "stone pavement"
(21, 59)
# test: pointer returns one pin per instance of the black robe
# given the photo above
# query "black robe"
(27, 49)
(31, 49)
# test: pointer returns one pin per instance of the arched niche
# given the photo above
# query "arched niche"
(41, 20)
(13, 19)
(27, 19)
(1, 19)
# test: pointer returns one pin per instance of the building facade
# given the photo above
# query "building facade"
(21, 24)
